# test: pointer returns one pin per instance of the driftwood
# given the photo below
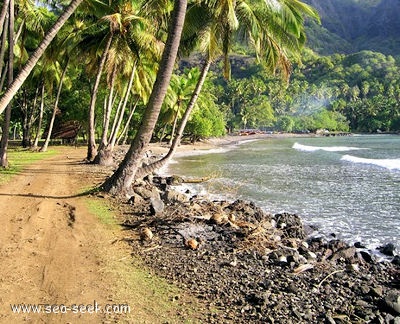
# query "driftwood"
(196, 180)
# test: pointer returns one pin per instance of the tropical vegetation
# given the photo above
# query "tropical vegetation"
(114, 72)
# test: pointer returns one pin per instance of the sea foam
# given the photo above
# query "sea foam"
(309, 148)
(391, 164)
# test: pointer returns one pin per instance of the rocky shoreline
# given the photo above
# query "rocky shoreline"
(249, 266)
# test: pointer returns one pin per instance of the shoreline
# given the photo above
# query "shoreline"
(230, 142)
(220, 142)
(248, 265)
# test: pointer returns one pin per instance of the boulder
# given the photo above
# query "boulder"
(156, 206)
(172, 196)
(147, 192)
(392, 301)
(388, 249)
(291, 225)
(346, 254)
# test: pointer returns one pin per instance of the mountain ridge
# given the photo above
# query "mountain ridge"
(349, 26)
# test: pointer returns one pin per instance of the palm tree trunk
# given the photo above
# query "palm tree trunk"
(175, 123)
(117, 117)
(113, 137)
(7, 117)
(142, 172)
(121, 181)
(34, 58)
(3, 49)
(41, 111)
(107, 113)
(104, 155)
(53, 116)
(124, 133)
(3, 14)
(92, 152)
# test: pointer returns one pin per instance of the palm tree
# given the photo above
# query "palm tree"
(178, 94)
(129, 38)
(120, 182)
(6, 124)
(55, 108)
(272, 31)
(34, 58)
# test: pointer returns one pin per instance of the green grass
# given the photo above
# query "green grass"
(19, 158)
(102, 211)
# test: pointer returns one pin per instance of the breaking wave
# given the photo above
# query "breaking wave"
(309, 148)
(391, 164)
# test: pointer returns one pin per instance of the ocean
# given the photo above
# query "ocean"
(349, 186)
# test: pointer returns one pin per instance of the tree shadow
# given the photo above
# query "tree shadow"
(32, 195)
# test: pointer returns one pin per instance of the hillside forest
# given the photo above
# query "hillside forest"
(95, 81)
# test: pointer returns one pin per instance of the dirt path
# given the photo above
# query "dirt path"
(52, 250)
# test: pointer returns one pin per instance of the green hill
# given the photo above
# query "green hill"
(348, 26)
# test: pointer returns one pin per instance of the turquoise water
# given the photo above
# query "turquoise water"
(349, 186)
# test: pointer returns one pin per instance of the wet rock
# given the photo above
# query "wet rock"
(367, 257)
(359, 245)
(396, 260)
(388, 249)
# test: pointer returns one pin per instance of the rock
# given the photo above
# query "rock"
(173, 196)
(364, 289)
(311, 255)
(219, 218)
(377, 291)
(359, 245)
(147, 193)
(329, 320)
(291, 225)
(156, 206)
(336, 245)
(396, 260)
(346, 254)
(316, 243)
(392, 301)
(388, 249)
(367, 257)
(146, 234)
(192, 244)
(174, 180)
(135, 199)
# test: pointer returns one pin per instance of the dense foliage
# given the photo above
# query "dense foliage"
(358, 92)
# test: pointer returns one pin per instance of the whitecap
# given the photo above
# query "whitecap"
(391, 164)
(194, 152)
(309, 148)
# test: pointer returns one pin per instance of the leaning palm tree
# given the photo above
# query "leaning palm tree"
(120, 182)
(6, 123)
(34, 58)
(275, 29)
